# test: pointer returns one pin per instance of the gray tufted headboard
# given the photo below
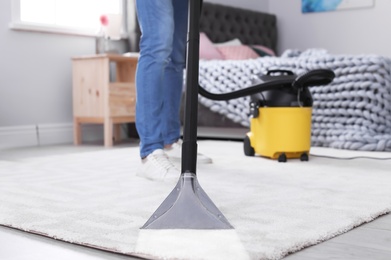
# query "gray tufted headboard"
(223, 23)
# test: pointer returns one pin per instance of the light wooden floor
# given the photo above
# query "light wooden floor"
(370, 241)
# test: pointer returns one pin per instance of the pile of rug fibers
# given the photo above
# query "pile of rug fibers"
(95, 198)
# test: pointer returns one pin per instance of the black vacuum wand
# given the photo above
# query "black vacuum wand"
(188, 206)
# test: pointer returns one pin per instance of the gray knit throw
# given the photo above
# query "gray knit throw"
(353, 112)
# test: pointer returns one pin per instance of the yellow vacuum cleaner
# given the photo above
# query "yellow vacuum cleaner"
(281, 109)
(280, 133)
(280, 125)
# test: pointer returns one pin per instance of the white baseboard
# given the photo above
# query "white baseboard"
(18, 136)
(62, 133)
(49, 134)
(46, 134)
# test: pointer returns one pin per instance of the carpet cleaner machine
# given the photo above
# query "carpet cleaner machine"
(280, 124)
(280, 111)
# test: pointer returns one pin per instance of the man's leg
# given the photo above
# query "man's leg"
(157, 28)
(173, 80)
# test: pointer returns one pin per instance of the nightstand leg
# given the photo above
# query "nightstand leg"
(76, 132)
(117, 132)
(108, 132)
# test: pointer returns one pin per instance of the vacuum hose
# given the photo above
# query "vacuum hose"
(311, 78)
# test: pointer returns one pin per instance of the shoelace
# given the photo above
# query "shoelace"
(162, 161)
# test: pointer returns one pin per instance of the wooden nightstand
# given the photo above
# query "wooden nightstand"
(97, 100)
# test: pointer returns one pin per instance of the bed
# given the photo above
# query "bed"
(353, 112)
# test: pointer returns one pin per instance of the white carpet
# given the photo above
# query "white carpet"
(95, 199)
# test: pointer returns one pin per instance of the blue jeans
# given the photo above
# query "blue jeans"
(159, 76)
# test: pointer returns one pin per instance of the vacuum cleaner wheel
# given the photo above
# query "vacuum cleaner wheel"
(304, 157)
(282, 157)
(248, 149)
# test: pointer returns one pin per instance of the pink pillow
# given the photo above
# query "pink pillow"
(237, 52)
(207, 50)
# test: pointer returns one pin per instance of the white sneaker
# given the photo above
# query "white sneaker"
(175, 153)
(156, 166)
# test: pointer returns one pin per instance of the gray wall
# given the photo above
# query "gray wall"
(358, 31)
(36, 84)
(257, 5)
(35, 77)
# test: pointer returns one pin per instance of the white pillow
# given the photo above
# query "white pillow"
(233, 42)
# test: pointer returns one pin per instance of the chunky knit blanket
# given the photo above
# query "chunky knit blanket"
(353, 112)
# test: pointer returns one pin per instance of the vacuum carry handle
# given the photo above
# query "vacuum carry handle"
(253, 89)
(288, 72)
(313, 78)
